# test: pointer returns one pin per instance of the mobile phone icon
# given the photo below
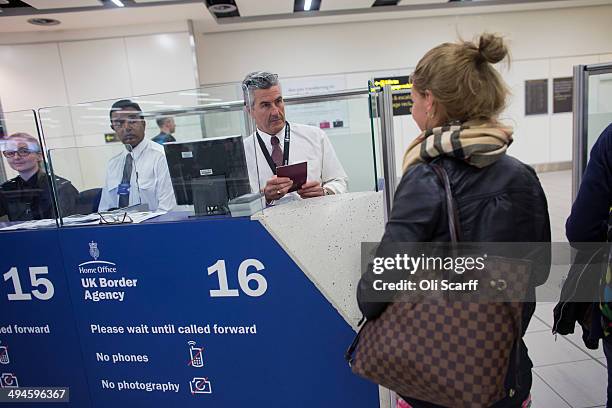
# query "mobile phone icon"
(195, 355)
(4, 357)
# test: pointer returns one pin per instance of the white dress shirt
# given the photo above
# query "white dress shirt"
(150, 181)
(307, 143)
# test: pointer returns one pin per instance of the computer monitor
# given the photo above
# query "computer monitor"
(207, 173)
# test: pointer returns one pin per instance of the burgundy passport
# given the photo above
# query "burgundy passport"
(296, 172)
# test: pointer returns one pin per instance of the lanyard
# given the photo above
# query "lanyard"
(266, 154)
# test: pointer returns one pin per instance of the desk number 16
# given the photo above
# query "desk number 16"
(261, 285)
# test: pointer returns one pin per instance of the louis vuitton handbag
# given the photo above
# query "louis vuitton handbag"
(446, 352)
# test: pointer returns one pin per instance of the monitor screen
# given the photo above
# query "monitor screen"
(207, 173)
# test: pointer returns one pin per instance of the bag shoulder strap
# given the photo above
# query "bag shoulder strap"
(348, 354)
(454, 225)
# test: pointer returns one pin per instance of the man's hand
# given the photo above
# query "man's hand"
(276, 188)
(311, 189)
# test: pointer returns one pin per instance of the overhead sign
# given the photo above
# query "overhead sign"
(402, 102)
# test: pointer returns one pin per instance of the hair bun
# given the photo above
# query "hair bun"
(491, 48)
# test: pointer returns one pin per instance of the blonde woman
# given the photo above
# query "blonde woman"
(458, 96)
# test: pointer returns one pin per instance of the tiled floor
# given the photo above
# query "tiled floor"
(566, 374)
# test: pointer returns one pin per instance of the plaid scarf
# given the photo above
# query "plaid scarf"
(479, 146)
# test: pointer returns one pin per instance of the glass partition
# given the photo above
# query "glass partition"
(157, 153)
(196, 132)
(199, 113)
(592, 113)
(26, 199)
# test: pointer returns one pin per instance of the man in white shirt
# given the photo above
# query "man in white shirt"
(277, 142)
(139, 174)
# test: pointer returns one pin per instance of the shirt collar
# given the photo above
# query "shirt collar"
(266, 136)
(138, 150)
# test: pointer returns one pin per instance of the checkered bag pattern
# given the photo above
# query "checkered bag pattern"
(454, 354)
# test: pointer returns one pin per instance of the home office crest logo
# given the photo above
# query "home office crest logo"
(97, 265)
(94, 251)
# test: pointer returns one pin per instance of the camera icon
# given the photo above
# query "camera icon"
(200, 386)
(8, 380)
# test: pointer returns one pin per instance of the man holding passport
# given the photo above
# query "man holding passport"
(277, 143)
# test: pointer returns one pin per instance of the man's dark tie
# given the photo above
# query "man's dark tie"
(124, 199)
(277, 152)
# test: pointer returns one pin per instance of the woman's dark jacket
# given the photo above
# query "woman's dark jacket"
(503, 202)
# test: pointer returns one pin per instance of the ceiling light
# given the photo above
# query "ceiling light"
(222, 8)
(309, 6)
(118, 3)
(4, 2)
(44, 21)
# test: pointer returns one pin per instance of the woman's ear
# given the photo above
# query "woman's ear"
(429, 101)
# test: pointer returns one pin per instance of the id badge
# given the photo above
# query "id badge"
(123, 189)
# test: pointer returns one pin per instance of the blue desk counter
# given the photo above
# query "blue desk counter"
(200, 313)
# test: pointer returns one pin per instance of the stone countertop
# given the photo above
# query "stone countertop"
(323, 236)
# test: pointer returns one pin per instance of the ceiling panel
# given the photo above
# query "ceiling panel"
(60, 4)
(259, 8)
(5, 4)
(327, 5)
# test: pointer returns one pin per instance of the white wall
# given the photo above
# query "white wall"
(544, 44)
(388, 44)
(73, 71)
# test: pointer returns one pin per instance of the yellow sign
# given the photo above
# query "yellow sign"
(396, 83)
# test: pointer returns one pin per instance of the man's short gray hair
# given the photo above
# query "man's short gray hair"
(161, 120)
(257, 80)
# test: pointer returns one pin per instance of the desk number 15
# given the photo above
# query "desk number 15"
(35, 281)
(261, 284)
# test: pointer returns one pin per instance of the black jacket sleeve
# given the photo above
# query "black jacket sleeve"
(417, 209)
